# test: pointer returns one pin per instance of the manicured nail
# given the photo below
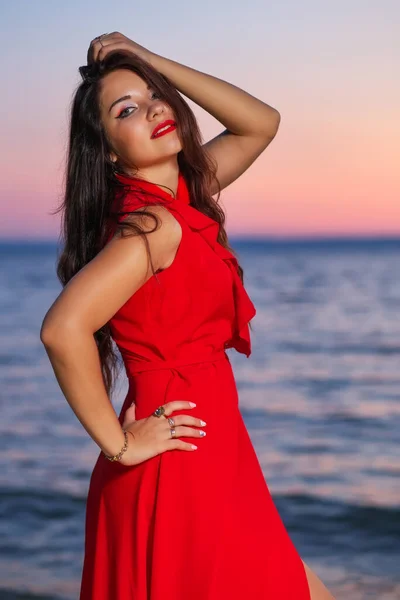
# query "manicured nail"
(194, 447)
(192, 404)
(202, 422)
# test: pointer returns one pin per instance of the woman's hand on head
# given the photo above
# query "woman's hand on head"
(112, 42)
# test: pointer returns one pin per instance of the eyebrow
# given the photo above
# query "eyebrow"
(122, 98)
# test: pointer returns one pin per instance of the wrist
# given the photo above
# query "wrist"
(124, 458)
(116, 447)
(156, 61)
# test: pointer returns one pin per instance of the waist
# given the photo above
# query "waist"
(134, 366)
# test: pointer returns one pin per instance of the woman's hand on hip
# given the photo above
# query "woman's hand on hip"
(151, 436)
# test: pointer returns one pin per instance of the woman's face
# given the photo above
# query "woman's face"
(129, 123)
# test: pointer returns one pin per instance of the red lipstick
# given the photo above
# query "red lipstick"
(169, 125)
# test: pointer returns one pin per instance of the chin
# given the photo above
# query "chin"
(171, 152)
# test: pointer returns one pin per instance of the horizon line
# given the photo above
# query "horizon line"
(242, 238)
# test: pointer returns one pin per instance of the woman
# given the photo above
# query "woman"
(172, 513)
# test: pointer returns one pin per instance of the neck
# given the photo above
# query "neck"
(165, 175)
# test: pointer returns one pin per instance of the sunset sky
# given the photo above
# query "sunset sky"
(330, 68)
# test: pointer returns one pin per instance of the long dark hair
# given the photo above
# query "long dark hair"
(91, 184)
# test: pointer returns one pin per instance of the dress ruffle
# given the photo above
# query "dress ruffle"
(140, 193)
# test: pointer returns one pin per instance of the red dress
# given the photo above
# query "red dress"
(187, 525)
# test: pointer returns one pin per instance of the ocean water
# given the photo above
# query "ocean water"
(320, 396)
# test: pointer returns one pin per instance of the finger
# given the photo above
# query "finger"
(112, 46)
(183, 431)
(96, 45)
(130, 415)
(177, 405)
(131, 411)
(179, 445)
(92, 49)
(188, 420)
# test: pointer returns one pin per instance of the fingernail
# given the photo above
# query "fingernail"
(202, 422)
(194, 447)
(192, 404)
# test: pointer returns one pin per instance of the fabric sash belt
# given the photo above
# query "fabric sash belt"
(134, 366)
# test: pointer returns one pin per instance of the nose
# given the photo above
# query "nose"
(155, 109)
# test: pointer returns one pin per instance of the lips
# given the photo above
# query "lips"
(169, 124)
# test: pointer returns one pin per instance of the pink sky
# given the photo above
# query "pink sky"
(333, 168)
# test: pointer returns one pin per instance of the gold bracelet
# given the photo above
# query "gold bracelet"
(123, 449)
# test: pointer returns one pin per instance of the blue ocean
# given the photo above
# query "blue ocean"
(320, 396)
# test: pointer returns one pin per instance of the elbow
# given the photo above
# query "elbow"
(48, 335)
(268, 128)
(274, 125)
(49, 330)
(53, 334)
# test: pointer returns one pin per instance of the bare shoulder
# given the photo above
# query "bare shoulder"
(120, 269)
(155, 249)
(163, 233)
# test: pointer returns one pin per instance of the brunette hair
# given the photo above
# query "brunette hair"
(91, 184)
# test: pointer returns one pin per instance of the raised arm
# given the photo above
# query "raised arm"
(250, 123)
(86, 303)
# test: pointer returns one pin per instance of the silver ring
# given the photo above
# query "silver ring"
(171, 421)
(172, 430)
(99, 38)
